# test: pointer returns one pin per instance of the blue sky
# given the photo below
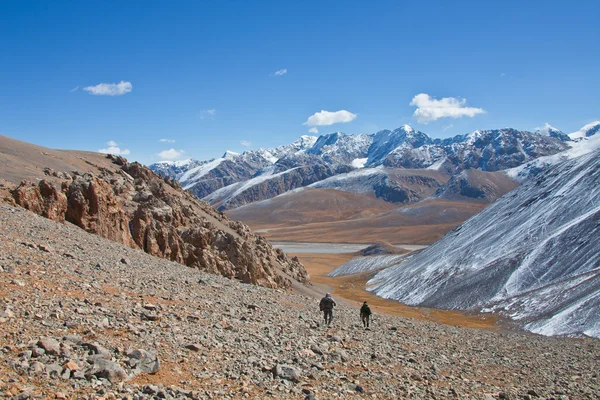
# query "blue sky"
(204, 74)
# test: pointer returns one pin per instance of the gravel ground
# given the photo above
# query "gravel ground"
(83, 317)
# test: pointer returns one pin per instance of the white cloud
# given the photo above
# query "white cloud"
(325, 118)
(313, 130)
(210, 113)
(76, 88)
(110, 89)
(170, 154)
(447, 127)
(503, 74)
(167, 140)
(280, 72)
(430, 109)
(114, 149)
(246, 143)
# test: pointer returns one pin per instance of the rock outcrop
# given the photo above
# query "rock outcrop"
(134, 206)
(43, 199)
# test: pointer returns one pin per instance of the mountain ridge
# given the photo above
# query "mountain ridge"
(405, 148)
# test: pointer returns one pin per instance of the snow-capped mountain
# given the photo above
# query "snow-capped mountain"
(262, 173)
(340, 148)
(174, 169)
(588, 130)
(549, 130)
(531, 255)
(498, 149)
(388, 142)
(588, 142)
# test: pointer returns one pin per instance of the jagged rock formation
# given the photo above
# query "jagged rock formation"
(134, 206)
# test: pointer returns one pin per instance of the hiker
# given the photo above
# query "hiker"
(365, 314)
(326, 305)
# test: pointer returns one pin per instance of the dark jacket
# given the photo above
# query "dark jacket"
(365, 310)
(327, 303)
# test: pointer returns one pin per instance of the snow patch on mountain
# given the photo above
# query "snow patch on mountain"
(579, 148)
(191, 177)
(366, 264)
(359, 162)
(436, 166)
(586, 131)
(357, 181)
(180, 163)
(227, 193)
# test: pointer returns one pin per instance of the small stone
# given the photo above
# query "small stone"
(193, 347)
(50, 345)
(37, 367)
(98, 349)
(288, 372)
(107, 369)
(125, 261)
(71, 365)
(37, 352)
(76, 339)
(316, 349)
(150, 316)
(45, 248)
(144, 361)
(341, 354)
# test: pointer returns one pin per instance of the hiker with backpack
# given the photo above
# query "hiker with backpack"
(365, 314)
(326, 306)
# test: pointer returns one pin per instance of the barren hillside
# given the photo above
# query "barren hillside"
(130, 204)
(86, 318)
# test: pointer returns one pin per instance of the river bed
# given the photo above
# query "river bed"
(332, 248)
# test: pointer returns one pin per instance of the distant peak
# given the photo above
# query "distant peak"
(230, 154)
(407, 128)
(546, 130)
(586, 131)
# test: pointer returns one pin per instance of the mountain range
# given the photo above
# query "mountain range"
(406, 167)
(238, 179)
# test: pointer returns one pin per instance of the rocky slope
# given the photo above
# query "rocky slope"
(532, 255)
(130, 204)
(270, 183)
(82, 317)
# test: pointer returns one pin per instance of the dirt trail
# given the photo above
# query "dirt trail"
(351, 289)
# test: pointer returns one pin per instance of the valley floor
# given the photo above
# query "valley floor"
(351, 289)
(85, 318)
